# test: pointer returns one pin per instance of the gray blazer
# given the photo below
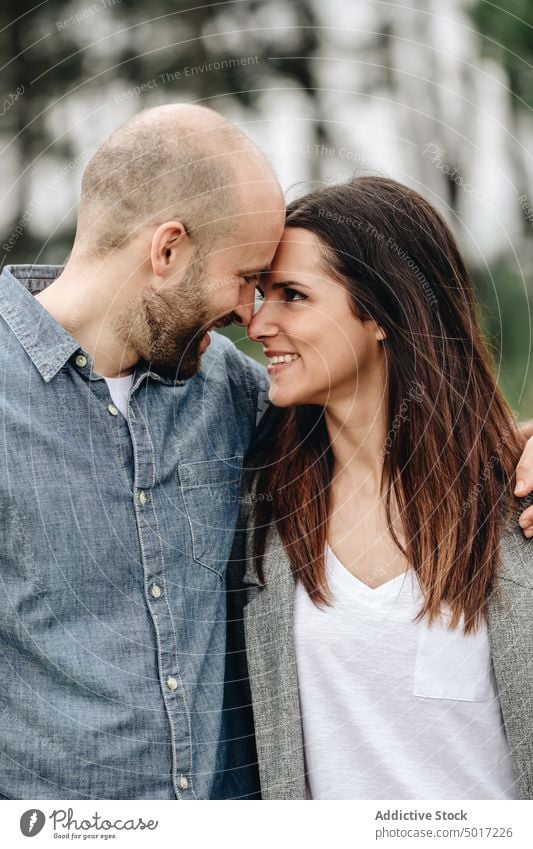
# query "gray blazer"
(268, 663)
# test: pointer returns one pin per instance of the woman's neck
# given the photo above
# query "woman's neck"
(357, 428)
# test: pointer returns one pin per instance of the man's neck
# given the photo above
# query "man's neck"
(84, 301)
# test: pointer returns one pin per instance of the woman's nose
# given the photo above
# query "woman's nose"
(262, 324)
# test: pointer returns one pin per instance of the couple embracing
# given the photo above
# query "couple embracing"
(210, 596)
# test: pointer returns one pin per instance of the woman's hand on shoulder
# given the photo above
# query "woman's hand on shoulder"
(524, 478)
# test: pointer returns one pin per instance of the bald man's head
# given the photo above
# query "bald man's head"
(179, 162)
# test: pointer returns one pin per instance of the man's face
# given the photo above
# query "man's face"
(172, 322)
(169, 327)
(234, 263)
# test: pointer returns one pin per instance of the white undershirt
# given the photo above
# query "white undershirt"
(393, 709)
(119, 388)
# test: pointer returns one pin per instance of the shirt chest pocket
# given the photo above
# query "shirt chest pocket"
(211, 493)
(450, 665)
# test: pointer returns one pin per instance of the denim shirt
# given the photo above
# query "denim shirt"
(115, 537)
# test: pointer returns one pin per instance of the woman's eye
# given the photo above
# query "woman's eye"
(293, 294)
(289, 295)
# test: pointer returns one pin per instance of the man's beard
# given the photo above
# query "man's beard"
(167, 327)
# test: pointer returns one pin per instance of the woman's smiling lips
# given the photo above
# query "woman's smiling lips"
(279, 360)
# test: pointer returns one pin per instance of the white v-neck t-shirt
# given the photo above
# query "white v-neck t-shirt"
(119, 388)
(392, 709)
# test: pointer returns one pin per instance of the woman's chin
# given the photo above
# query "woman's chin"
(280, 397)
(284, 396)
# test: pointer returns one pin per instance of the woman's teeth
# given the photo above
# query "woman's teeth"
(283, 358)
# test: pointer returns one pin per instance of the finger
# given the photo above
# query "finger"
(524, 471)
(525, 520)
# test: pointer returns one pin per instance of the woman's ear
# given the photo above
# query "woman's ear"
(380, 333)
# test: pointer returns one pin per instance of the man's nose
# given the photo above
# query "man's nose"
(244, 311)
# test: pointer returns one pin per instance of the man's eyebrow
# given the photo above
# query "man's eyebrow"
(254, 272)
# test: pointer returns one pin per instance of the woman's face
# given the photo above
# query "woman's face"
(319, 352)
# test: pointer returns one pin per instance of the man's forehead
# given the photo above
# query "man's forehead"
(260, 222)
(258, 251)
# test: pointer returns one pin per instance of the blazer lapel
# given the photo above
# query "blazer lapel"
(510, 622)
(268, 623)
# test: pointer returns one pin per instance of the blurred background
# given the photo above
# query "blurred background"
(438, 95)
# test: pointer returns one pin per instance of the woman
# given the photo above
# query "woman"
(388, 626)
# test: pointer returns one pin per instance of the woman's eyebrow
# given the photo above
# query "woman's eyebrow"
(286, 283)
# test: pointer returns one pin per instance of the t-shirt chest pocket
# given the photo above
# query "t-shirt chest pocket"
(211, 491)
(450, 665)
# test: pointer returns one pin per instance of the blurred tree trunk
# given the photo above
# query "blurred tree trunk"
(508, 32)
(40, 61)
(17, 74)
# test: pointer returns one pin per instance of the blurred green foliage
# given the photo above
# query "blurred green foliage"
(508, 36)
(505, 309)
(238, 336)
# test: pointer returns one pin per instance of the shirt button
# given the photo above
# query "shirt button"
(183, 783)
(172, 684)
(143, 498)
(156, 591)
(112, 409)
(81, 361)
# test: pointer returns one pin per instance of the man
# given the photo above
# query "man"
(125, 425)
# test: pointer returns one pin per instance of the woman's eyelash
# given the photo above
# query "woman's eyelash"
(288, 291)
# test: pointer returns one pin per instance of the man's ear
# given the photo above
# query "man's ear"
(170, 249)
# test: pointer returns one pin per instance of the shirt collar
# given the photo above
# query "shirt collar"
(47, 344)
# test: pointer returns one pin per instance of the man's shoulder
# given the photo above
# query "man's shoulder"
(223, 365)
(224, 356)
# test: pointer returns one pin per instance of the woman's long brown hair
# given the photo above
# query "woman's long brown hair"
(451, 448)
